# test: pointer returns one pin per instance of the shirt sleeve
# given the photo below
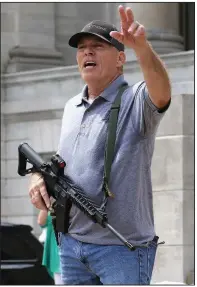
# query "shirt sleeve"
(147, 116)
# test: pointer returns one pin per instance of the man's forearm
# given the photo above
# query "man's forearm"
(155, 76)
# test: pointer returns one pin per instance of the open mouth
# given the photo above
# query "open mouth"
(89, 64)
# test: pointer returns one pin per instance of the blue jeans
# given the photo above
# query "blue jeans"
(92, 264)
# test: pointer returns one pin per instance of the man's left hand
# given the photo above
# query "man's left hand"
(132, 33)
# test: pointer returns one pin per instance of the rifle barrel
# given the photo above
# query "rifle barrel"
(122, 238)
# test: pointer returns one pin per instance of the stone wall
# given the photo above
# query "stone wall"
(28, 37)
(35, 35)
(32, 110)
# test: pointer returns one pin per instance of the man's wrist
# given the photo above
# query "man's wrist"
(142, 51)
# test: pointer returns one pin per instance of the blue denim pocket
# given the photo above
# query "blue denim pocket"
(146, 262)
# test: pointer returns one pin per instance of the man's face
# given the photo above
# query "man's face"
(97, 60)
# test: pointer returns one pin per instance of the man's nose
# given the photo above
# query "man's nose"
(89, 51)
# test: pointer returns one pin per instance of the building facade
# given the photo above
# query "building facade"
(39, 74)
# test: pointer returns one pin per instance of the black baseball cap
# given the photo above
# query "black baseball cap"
(100, 29)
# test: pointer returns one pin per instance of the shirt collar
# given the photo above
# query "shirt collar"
(108, 94)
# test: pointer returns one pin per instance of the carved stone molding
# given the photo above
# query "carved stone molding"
(31, 58)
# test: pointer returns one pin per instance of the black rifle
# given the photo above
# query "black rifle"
(60, 186)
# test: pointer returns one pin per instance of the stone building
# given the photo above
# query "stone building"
(39, 74)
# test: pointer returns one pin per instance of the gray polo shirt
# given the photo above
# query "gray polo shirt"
(82, 146)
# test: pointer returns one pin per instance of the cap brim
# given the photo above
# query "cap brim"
(74, 40)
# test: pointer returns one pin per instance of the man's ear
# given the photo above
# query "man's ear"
(121, 59)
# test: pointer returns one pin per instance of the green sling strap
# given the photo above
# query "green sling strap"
(111, 138)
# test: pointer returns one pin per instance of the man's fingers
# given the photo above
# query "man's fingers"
(44, 195)
(37, 201)
(133, 27)
(123, 18)
(130, 16)
(140, 31)
(132, 33)
(117, 35)
(39, 204)
(36, 197)
(38, 193)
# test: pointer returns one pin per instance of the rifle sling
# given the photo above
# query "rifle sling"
(111, 138)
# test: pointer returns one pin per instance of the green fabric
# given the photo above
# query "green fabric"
(51, 258)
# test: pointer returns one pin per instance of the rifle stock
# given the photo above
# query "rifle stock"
(27, 154)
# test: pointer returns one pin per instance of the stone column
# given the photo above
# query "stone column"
(8, 27)
(32, 30)
(70, 18)
(3, 150)
(161, 21)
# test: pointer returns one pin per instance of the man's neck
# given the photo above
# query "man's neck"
(94, 90)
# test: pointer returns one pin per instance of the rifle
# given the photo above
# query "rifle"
(60, 186)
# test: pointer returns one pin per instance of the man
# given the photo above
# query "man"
(89, 253)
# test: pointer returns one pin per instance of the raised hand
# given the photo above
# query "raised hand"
(132, 33)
